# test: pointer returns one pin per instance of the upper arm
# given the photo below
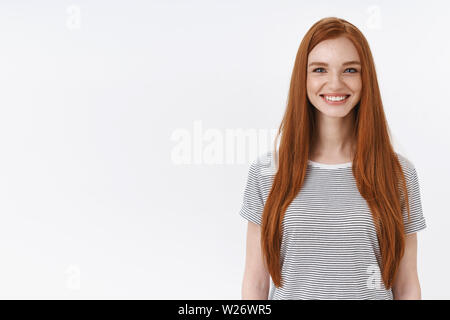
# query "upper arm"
(255, 273)
(256, 276)
(407, 281)
(415, 221)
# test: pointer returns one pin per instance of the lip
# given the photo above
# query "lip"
(334, 95)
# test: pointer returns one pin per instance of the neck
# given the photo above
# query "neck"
(333, 138)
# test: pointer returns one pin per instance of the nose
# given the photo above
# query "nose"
(335, 81)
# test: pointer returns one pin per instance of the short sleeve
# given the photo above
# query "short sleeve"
(417, 220)
(253, 204)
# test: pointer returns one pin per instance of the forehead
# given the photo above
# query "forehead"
(334, 50)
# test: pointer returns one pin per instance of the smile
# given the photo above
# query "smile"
(335, 99)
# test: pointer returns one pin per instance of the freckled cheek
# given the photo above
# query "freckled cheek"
(313, 85)
(354, 84)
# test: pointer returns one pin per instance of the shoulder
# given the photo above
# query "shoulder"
(264, 164)
(407, 164)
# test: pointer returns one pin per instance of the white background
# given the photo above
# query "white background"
(96, 95)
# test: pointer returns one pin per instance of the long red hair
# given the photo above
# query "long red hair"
(376, 168)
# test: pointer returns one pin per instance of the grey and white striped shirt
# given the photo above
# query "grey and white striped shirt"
(329, 247)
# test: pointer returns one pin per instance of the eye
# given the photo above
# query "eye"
(354, 70)
(318, 69)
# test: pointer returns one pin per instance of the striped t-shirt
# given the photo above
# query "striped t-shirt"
(329, 247)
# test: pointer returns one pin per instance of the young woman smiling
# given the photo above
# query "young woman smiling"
(334, 211)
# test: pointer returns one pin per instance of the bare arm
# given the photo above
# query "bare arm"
(256, 282)
(406, 285)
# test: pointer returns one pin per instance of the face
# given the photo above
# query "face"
(333, 79)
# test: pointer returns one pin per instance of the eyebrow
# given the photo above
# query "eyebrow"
(316, 63)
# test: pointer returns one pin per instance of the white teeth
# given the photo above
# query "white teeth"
(333, 98)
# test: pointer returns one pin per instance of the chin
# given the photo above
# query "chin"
(336, 111)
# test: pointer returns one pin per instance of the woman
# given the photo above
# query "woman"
(333, 213)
